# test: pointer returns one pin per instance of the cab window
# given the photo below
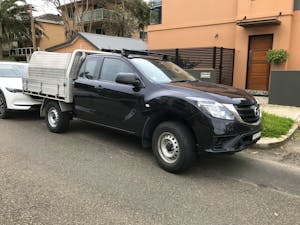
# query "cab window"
(90, 68)
(112, 67)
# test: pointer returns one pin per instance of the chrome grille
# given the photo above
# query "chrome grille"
(248, 113)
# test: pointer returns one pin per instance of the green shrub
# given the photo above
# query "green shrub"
(277, 56)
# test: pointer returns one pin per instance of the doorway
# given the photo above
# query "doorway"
(258, 68)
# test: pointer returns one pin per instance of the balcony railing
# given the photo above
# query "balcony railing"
(21, 52)
(99, 15)
(155, 4)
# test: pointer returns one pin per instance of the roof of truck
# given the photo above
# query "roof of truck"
(100, 42)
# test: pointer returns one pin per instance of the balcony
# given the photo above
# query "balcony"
(155, 4)
(22, 52)
(99, 15)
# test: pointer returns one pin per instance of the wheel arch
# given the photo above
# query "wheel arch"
(3, 93)
(153, 121)
(64, 107)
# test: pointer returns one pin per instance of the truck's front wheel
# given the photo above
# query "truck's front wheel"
(173, 145)
(56, 120)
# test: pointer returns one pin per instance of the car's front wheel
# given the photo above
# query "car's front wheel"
(173, 146)
(56, 120)
(3, 107)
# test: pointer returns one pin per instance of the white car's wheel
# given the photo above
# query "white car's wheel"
(3, 107)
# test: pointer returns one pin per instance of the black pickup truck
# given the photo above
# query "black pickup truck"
(171, 111)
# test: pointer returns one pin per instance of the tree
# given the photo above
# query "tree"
(15, 24)
(12, 22)
(122, 18)
(135, 15)
(72, 13)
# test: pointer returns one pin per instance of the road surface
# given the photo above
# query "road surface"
(91, 175)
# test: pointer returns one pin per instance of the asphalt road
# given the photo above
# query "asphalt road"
(91, 175)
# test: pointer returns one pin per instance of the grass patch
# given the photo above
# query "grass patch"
(275, 126)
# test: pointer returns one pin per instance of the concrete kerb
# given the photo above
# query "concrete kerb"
(266, 143)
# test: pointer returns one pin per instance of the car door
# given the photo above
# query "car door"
(85, 88)
(118, 105)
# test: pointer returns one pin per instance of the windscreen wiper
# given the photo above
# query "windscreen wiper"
(179, 81)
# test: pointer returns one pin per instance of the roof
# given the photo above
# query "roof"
(50, 18)
(113, 42)
(100, 41)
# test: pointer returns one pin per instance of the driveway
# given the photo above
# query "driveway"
(91, 175)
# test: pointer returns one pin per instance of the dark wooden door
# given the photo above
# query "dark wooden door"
(258, 68)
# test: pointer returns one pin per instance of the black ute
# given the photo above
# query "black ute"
(174, 113)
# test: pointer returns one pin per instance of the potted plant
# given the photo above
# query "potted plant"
(277, 56)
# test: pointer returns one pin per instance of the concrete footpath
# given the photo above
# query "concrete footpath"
(284, 111)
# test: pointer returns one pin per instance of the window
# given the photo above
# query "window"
(13, 70)
(155, 12)
(111, 68)
(90, 69)
(296, 4)
(99, 31)
(70, 11)
(161, 71)
(143, 35)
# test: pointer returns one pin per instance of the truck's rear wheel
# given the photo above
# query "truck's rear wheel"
(3, 107)
(173, 146)
(56, 120)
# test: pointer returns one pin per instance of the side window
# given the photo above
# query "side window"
(89, 69)
(111, 68)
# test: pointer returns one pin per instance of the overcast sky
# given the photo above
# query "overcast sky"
(42, 7)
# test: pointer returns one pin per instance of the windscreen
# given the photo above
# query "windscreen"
(161, 71)
(13, 70)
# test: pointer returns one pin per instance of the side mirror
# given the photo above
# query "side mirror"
(128, 78)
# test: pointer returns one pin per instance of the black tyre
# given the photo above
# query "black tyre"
(3, 107)
(56, 120)
(173, 146)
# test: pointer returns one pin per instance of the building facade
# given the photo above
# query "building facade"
(49, 31)
(54, 32)
(251, 27)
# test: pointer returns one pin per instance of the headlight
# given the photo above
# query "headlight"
(14, 90)
(214, 108)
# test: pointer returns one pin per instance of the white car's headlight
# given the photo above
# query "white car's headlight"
(214, 108)
(14, 90)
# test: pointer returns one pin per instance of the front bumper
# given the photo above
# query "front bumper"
(20, 101)
(222, 144)
(221, 136)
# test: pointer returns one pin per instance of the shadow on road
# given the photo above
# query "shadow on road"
(24, 115)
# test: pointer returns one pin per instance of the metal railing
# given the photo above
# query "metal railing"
(98, 15)
(22, 52)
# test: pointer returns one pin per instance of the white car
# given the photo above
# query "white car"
(11, 89)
